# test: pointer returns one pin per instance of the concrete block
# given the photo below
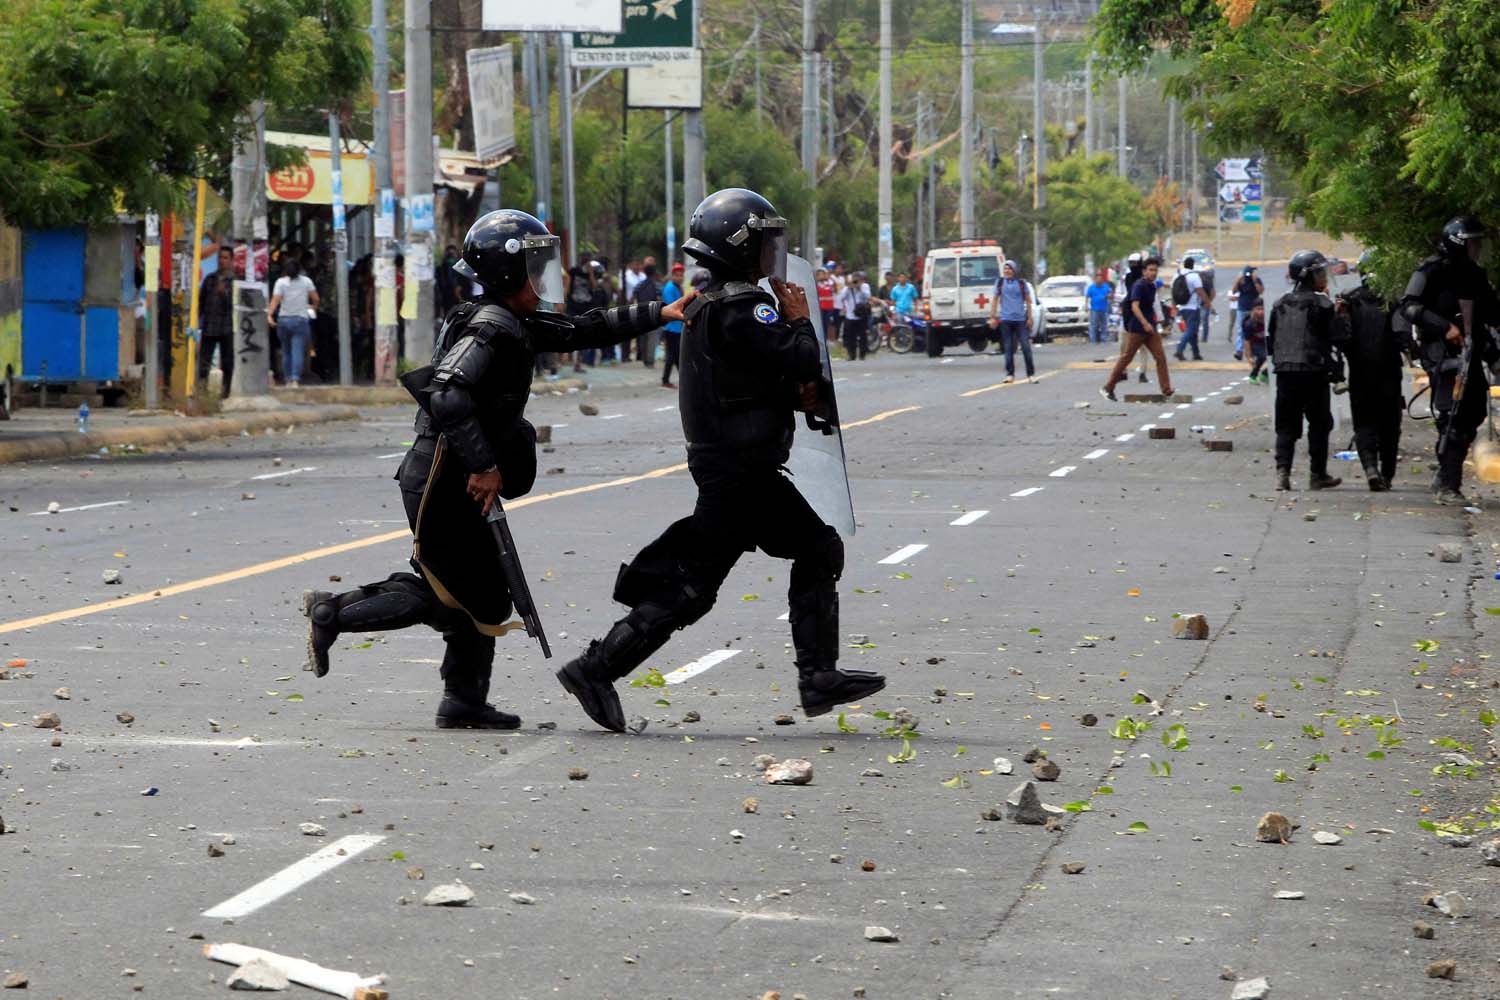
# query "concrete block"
(1450, 552)
(1218, 444)
(1233, 400)
(1163, 433)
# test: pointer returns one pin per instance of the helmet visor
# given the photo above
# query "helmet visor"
(773, 251)
(544, 267)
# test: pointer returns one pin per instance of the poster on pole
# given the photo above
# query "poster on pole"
(659, 31)
(676, 84)
(492, 96)
(554, 15)
(1239, 169)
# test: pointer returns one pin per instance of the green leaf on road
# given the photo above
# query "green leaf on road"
(294, 697)
(1138, 827)
(902, 576)
(1236, 788)
(1078, 807)
(662, 703)
(957, 781)
(1375, 755)
(750, 597)
(652, 679)
(845, 727)
(1281, 776)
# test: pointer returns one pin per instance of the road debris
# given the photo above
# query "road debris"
(1251, 989)
(761, 761)
(1073, 867)
(1490, 851)
(1004, 766)
(1290, 894)
(1274, 828)
(1045, 769)
(16, 980)
(124, 718)
(312, 829)
(784, 720)
(1451, 904)
(47, 720)
(215, 851)
(1024, 806)
(111, 576)
(578, 774)
(1327, 837)
(1423, 930)
(1443, 968)
(449, 894)
(1190, 626)
(750, 805)
(792, 771)
(637, 724)
(588, 409)
(63, 694)
(349, 985)
(522, 898)
(1450, 552)
(258, 974)
(883, 934)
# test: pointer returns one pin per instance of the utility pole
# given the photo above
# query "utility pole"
(151, 265)
(565, 127)
(1088, 104)
(694, 178)
(340, 249)
(1171, 140)
(810, 126)
(921, 143)
(540, 139)
(883, 210)
(1120, 166)
(419, 199)
(1194, 182)
(966, 127)
(833, 118)
(542, 108)
(932, 184)
(385, 204)
(671, 220)
(1039, 155)
(252, 341)
(756, 36)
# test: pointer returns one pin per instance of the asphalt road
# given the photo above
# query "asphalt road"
(1020, 554)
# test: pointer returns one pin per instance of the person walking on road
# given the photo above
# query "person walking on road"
(1099, 294)
(1247, 294)
(1376, 360)
(1140, 331)
(1011, 311)
(473, 444)
(854, 306)
(1254, 332)
(296, 298)
(1193, 305)
(1304, 328)
(750, 362)
(671, 334)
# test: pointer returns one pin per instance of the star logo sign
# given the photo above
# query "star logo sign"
(665, 8)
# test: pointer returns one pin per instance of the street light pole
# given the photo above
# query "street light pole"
(419, 186)
(385, 205)
(886, 243)
(810, 126)
(1120, 138)
(1039, 155)
(966, 127)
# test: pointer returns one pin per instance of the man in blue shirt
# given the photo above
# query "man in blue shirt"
(671, 333)
(1139, 308)
(1099, 294)
(903, 296)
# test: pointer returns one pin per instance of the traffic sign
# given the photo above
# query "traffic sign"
(1251, 212)
(655, 32)
(1241, 169)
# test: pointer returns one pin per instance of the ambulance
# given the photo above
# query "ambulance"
(960, 288)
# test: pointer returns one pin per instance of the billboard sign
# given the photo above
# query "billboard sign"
(658, 31)
(554, 15)
(676, 84)
(1242, 169)
(492, 97)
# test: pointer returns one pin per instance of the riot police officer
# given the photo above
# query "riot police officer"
(1454, 349)
(1302, 331)
(749, 363)
(1376, 355)
(472, 444)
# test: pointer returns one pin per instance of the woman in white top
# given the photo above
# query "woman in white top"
(295, 294)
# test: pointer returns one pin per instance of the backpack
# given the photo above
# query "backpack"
(579, 292)
(1180, 291)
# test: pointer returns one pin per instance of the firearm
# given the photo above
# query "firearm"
(1466, 317)
(515, 577)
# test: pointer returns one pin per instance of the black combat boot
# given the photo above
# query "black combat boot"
(591, 677)
(466, 684)
(1283, 479)
(824, 690)
(815, 636)
(1322, 481)
(400, 601)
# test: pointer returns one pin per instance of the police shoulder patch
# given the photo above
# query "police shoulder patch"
(767, 313)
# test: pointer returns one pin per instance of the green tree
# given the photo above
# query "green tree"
(110, 104)
(1383, 113)
(1090, 211)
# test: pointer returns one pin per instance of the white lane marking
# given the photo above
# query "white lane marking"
(294, 876)
(1147, 427)
(1226, 388)
(902, 554)
(1166, 416)
(1126, 437)
(785, 616)
(663, 409)
(1216, 392)
(1096, 453)
(699, 665)
(558, 426)
(1028, 491)
(1183, 406)
(841, 379)
(612, 416)
(87, 506)
(394, 454)
(1060, 473)
(968, 518)
(946, 361)
(285, 472)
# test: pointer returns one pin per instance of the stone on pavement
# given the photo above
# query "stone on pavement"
(111, 576)
(1423, 930)
(761, 761)
(793, 771)
(258, 974)
(1451, 904)
(1045, 770)
(449, 894)
(1251, 989)
(1193, 626)
(47, 720)
(1273, 828)
(1490, 851)
(1004, 766)
(16, 981)
(1450, 552)
(1218, 444)
(1162, 433)
(884, 934)
(1073, 867)
(1233, 400)
(1327, 838)
(522, 898)
(63, 694)
(1024, 806)
(1443, 968)
(124, 718)
(312, 829)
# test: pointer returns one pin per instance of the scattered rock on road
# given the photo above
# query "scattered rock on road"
(1450, 552)
(1032, 756)
(17, 980)
(784, 720)
(692, 717)
(1089, 720)
(761, 761)
(312, 830)
(588, 409)
(1451, 904)
(1327, 838)
(63, 694)
(47, 720)
(449, 894)
(1251, 989)
(637, 724)
(1190, 627)
(1004, 766)
(872, 772)
(793, 771)
(111, 576)
(1073, 867)
(522, 898)
(1291, 894)
(1273, 828)
(1490, 851)
(578, 774)
(751, 805)
(1024, 806)
(124, 718)
(1045, 769)
(884, 934)
(1443, 968)
(215, 851)
(1423, 930)
(258, 974)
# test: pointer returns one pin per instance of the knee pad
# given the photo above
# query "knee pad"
(824, 560)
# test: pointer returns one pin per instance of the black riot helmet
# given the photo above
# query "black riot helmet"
(738, 234)
(1366, 266)
(507, 249)
(1304, 265)
(1461, 237)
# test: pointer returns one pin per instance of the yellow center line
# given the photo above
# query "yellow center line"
(272, 565)
(1006, 385)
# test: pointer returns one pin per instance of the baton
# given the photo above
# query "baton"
(515, 576)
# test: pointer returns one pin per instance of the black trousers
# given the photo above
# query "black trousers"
(675, 580)
(855, 330)
(1377, 408)
(226, 359)
(1303, 396)
(673, 344)
(1465, 419)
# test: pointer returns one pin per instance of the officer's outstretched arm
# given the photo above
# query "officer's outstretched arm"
(595, 328)
(452, 402)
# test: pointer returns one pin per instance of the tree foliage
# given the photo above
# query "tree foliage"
(1091, 211)
(111, 104)
(1383, 112)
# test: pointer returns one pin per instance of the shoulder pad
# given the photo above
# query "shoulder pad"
(742, 289)
(465, 362)
(490, 319)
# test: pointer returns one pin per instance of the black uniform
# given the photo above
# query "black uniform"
(1430, 305)
(1302, 331)
(1376, 356)
(480, 382)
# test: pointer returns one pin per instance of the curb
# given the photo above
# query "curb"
(64, 444)
(389, 395)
